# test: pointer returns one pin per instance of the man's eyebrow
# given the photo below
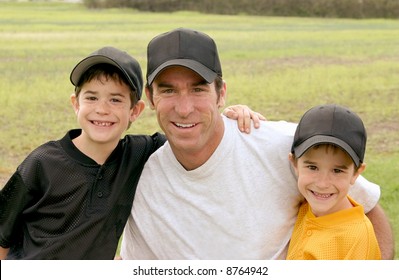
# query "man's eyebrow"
(165, 85)
(168, 85)
(201, 83)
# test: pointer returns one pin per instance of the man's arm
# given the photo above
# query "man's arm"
(383, 232)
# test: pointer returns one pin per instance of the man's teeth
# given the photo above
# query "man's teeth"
(102, 123)
(184, 125)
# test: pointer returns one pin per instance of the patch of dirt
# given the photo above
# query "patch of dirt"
(383, 136)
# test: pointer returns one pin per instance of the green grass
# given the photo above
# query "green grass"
(278, 66)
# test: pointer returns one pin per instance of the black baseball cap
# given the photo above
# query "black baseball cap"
(183, 47)
(120, 59)
(331, 124)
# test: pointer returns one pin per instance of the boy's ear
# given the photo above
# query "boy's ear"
(293, 162)
(75, 103)
(149, 98)
(291, 158)
(359, 171)
(136, 111)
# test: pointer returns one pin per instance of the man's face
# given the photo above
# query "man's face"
(187, 109)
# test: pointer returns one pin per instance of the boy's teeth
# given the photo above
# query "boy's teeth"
(102, 123)
(322, 195)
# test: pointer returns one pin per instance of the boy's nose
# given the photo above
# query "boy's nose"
(102, 107)
(323, 180)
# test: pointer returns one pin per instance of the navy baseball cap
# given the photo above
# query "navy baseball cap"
(331, 124)
(183, 47)
(109, 55)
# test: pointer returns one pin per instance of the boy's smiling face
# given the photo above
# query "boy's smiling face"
(325, 174)
(103, 110)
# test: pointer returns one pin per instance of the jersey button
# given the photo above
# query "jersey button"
(100, 194)
(309, 233)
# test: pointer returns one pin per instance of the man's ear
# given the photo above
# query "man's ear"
(222, 96)
(149, 98)
(75, 102)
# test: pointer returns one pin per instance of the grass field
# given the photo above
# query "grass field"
(278, 66)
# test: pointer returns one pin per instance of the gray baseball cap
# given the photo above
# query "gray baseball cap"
(109, 55)
(331, 124)
(183, 47)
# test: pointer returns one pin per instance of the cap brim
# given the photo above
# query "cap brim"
(325, 139)
(88, 62)
(197, 67)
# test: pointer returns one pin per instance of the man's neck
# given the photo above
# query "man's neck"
(191, 159)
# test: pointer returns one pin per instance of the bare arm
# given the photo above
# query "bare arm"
(3, 253)
(383, 232)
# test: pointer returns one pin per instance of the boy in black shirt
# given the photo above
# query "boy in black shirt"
(70, 198)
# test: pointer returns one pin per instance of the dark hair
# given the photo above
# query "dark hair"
(108, 71)
(331, 146)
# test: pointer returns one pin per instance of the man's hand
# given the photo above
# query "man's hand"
(243, 114)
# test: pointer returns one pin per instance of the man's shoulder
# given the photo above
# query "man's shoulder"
(282, 127)
(267, 128)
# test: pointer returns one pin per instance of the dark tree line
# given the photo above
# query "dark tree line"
(298, 8)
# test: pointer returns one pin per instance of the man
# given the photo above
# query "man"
(211, 192)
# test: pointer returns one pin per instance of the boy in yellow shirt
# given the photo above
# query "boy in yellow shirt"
(327, 155)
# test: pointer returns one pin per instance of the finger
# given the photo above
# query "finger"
(230, 113)
(255, 119)
(247, 122)
(261, 117)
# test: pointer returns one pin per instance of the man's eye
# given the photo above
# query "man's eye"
(169, 90)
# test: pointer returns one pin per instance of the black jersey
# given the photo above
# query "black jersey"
(61, 204)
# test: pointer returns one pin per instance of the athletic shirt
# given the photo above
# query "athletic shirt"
(61, 204)
(343, 235)
(240, 204)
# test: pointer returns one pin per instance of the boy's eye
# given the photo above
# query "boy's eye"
(91, 98)
(338, 171)
(312, 167)
(116, 100)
